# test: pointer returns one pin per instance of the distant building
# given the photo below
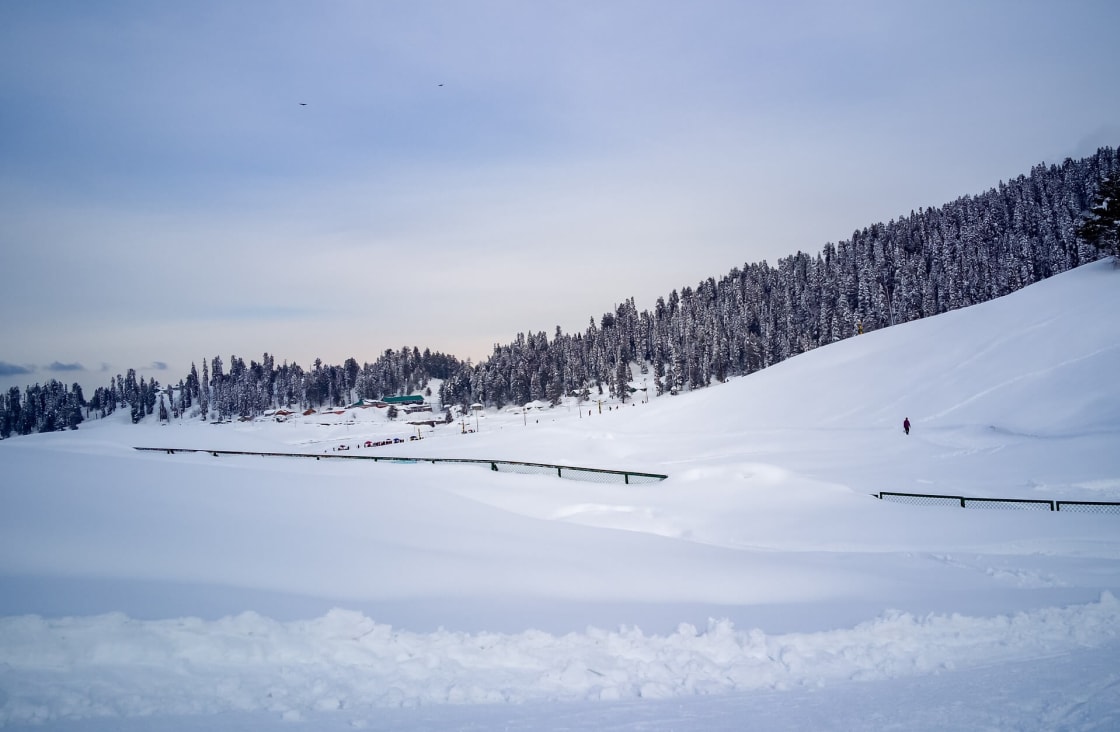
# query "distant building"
(412, 399)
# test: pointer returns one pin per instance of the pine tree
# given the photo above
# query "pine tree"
(622, 378)
(5, 417)
(75, 401)
(204, 392)
(1101, 227)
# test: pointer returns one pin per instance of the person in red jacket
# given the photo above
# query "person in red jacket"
(906, 425)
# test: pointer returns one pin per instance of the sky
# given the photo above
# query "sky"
(332, 179)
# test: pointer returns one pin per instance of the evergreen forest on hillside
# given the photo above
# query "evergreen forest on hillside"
(971, 250)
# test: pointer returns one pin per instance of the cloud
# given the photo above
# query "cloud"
(11, 369)
(158, 366)
(58, 366)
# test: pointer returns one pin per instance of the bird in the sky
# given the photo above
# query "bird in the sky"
(303, 104)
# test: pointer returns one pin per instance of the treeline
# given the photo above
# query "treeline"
(932, 261)
(248, 390)
(47, 408)
(221, 392)
(54, 406)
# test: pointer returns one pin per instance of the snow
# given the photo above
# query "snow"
(760, 585)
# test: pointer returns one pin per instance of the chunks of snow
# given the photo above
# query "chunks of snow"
(89, 667)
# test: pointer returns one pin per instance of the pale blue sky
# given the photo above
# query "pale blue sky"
(463, 171)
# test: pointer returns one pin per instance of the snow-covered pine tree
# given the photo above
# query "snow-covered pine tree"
(1101, 225)
(204, 392)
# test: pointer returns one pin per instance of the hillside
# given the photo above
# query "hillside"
(760, 581)
(931, 261)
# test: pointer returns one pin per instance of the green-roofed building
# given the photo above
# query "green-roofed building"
(414, 399)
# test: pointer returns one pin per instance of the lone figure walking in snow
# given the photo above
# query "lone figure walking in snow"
(906, 425)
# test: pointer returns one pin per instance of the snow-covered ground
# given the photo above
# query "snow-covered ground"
(760, 586)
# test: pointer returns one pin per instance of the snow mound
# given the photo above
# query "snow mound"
(75, 668)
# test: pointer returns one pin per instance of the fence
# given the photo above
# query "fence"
(1013, 504)
(1088, 506)
(569, 472)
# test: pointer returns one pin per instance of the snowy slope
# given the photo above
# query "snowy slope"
(762, 571)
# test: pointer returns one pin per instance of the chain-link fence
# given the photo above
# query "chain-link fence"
(1001, 504)
(1009, 504)
(594, 475)
(1088, 507)
(570, 472)
(921, 499)
(523, 468)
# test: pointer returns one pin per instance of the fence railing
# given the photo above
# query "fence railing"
(1014, 504)
(569, 472)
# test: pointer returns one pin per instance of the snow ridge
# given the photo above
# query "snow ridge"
(80, 668)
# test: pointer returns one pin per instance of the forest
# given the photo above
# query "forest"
(931, 261)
